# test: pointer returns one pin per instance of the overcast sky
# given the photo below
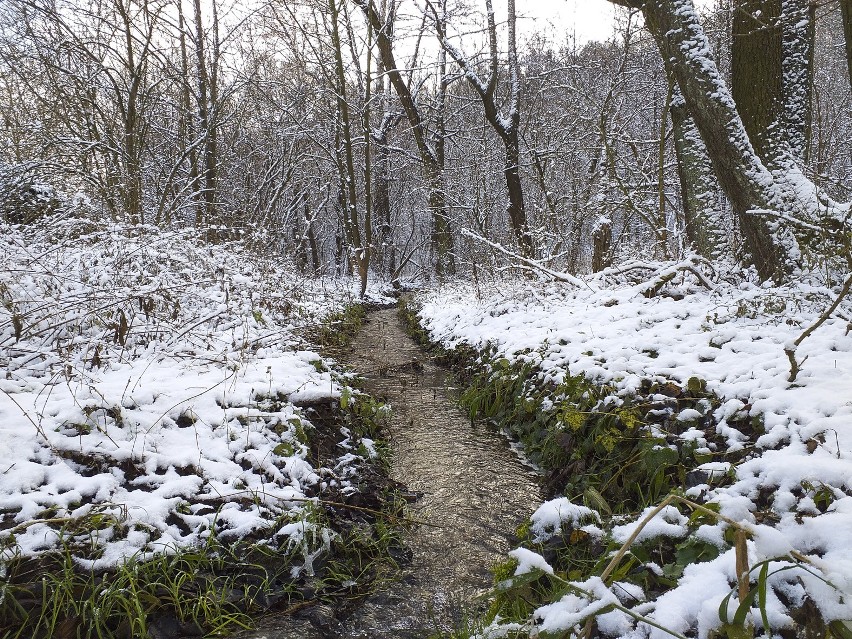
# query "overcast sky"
(587, 19)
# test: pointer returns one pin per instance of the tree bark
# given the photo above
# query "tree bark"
(797, 70)
(756, 76)
(386, 249)
(133, 124)
(745, 180)
(846, 13)
(703, 226)
(601, 244)
(202, 99)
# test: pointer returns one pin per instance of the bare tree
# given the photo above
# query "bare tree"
(506, 125)
(88, 69)
(207, 103)
(345, 158)
(428, 148)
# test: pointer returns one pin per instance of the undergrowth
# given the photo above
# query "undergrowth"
(348, 541)
(338, 330)
(619, 454)
(615, 452)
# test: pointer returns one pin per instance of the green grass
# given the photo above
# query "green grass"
(215, 589)
(614, 452)
(338, 330)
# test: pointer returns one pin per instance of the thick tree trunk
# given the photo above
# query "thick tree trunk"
(772, 71)
(745, 180)
(704, 228)
(515, 206)
(797, 70)
(846, 13)
(756, 77)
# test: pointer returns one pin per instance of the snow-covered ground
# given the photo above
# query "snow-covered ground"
(151, 393)
(732, 336)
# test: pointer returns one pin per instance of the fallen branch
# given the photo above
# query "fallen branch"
(534, 264)
(664, 276)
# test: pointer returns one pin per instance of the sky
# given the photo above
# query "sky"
(585, 19)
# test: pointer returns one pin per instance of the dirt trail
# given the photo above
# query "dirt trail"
(474, 492)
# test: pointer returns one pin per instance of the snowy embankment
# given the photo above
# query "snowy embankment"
(791, 489)
(155, 392)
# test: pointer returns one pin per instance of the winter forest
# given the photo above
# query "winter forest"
(420, 319)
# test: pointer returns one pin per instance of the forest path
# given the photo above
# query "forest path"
(473, 493)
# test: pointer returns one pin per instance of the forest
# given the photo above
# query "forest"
(295, 295)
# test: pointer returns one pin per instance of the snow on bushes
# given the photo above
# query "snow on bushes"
(790, 485)
(154, 391)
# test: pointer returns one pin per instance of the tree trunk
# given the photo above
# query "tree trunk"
(386, 247)
(360, 257)
(846, 13)
(745, 180)
(442, 237)
(756, 76)
(602, 244)
(515, 207)
(211, 146)
(507, 127)
(704, 228)
(433, 170)
(312, 239)
(203, 110)
(382, 205)
(797, 71)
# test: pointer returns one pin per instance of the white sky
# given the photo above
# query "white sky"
(585, 19)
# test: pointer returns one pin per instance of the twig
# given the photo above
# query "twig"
(630, 613)
(666, 275)
(613, 564)
(38, 428)
(790, 351)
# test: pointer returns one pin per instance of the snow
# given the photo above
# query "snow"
(668, 523)
(529, 561)
(573, 609)
(549, 518)
(608, 331)
(160, 383)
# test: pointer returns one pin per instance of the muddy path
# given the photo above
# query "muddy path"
(473, 493)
